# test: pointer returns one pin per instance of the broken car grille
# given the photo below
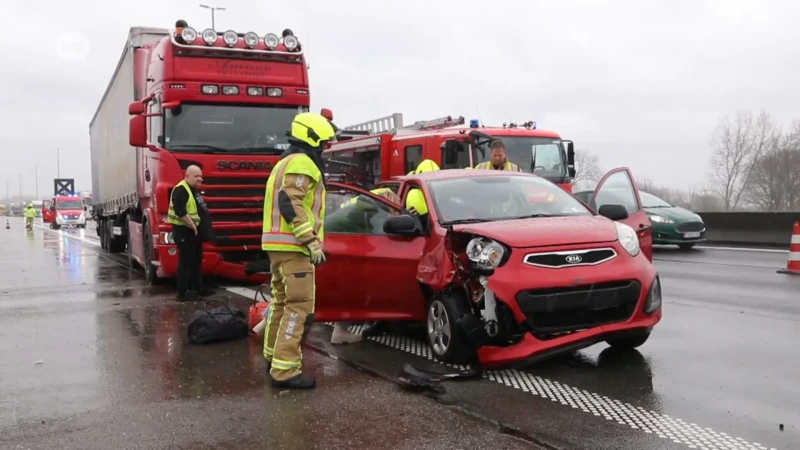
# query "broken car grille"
(574, 308)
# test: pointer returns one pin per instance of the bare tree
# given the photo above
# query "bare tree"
(736, 146)
(775, 180)
(587, 170)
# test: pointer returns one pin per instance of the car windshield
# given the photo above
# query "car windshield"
(551, 160)
(228, 128)
(651, 201)
(501, 197)
(69, 204)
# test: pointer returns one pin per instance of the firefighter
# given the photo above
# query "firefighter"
(293, 232)
(498, 159)
(415, 200)
(30, 216)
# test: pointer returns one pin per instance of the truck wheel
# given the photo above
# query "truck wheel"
(444, 335)
(149, 268)
(115, 243)
(629, 341)
(101, 233)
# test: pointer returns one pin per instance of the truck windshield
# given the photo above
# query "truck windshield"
(228, 128)
(551, 159)
(69, 204)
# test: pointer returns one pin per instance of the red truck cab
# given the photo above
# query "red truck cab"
(220, 101)
(389, 149)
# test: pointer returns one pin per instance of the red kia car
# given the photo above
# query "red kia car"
(494, 276)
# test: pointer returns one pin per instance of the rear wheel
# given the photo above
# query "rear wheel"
(444, 334)
(629, 341)
(685, 246)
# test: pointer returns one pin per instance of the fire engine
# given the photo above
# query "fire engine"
(380, 149)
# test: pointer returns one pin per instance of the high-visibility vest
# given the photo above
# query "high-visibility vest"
(416, 199)
(191, 207)
(508, 166)
(30, 212)
(278, 235)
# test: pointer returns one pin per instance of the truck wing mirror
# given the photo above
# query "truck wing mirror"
(138, 131)
(136, 108)
(451, 149)
(571, 158)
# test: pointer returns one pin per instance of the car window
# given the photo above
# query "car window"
(618, 190)
(501, 197)
(585, 196)
(651, 201)
(347, 212)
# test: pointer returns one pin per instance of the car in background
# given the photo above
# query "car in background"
(671, 225)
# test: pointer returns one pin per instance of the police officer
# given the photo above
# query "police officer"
(294, 208)
(498, 159)
(191, 225)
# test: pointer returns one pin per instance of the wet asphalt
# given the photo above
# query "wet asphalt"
(91, 357)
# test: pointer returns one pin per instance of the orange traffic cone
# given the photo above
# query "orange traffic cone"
(8, 225)
(793, 264)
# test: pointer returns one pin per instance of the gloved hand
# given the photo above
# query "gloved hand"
(317, 256)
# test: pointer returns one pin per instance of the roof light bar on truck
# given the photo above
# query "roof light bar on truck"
(250, 39)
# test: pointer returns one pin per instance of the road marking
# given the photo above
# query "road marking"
(740, 249)
(650, 422)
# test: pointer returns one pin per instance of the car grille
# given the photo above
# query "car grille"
(690, 226)
(572, 258)
(574, 308)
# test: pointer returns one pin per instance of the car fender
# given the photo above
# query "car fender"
(436, 269)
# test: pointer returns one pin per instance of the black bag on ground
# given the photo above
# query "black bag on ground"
(225, 323)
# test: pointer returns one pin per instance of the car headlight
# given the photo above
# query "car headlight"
(485, 253)
(660, 219)
(627, 238)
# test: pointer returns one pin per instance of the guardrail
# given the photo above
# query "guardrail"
(745, 228)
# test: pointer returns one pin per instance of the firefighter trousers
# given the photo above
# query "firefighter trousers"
(291, 313)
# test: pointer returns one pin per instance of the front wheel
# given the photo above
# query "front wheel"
(629, 341)
(149, 268)
(444, 335)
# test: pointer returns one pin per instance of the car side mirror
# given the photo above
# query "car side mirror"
(53, 208)
(402, 225)
(613, 212)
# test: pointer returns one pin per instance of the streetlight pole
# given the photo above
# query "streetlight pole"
(37, 180)
(58, 162)
(212, 8)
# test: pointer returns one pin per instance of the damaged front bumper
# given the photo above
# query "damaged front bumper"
(574, 309)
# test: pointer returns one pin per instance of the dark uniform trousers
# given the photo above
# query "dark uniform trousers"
(190, 259)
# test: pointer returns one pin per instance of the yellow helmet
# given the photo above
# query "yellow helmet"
(313, 129)
(426, 166)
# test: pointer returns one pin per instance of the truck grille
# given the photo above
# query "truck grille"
(574, 308)
(238, 201)
(690, 226)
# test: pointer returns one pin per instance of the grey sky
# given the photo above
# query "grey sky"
(640, 84)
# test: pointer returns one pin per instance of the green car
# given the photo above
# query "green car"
(672, 225)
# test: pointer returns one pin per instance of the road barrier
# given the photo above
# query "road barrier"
(745, 228)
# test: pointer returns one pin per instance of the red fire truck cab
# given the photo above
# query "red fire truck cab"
(386, 148)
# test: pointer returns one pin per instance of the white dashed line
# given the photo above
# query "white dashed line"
(650, 422)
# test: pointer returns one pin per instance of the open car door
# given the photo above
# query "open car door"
(618, 187)
(369, 274)
(48, 215)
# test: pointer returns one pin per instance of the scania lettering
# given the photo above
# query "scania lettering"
(244, 165)
(187, 96)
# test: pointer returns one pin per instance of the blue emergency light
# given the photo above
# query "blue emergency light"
(474, 123)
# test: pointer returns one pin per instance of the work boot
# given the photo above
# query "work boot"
(298, 382)
(341, 335)
(189, 296)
